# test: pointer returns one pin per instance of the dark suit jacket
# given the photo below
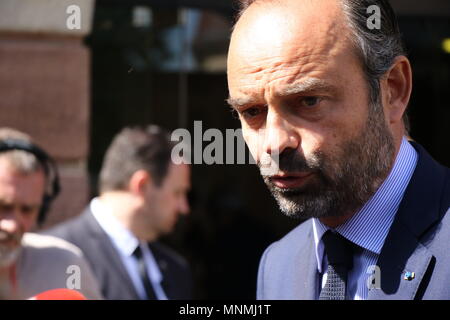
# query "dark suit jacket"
(115, 283)
(418, 241)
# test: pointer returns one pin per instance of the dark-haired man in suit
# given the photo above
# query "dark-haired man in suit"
(142, 192)
(322, 88)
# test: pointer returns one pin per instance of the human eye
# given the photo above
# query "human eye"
(6, 207)
(29, 210)
(253, 112)
(26, 210)
(309, 102)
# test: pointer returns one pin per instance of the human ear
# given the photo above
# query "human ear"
(139, 182)
(396, 86)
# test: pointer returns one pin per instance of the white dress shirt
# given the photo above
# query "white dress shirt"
(369, 227)
(125, 243)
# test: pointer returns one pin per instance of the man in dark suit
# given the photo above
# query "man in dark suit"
(321, 88)
(142, 192)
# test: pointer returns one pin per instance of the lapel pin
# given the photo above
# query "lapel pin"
(409, 275)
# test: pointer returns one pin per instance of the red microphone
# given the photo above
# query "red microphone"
(59, 294)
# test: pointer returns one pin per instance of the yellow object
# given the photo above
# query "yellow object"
(446, 45)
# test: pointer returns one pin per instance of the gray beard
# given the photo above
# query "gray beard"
(343, 183)
(8, 256)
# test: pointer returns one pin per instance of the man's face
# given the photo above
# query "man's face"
(20, 200)
(165, 202)
(301, 96)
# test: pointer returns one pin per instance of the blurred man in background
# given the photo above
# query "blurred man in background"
(32, 263)
(142, 192)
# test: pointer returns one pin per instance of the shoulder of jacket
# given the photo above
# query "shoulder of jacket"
(169, 253)
(299, 235)
(50, 245)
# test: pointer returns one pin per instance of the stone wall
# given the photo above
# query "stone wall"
(45, 89)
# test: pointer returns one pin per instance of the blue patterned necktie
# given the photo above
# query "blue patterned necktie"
(339, 252)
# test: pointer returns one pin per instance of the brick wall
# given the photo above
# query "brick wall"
(44, 88)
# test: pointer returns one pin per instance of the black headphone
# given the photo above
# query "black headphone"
(52, 187)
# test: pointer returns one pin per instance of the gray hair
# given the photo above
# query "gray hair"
(22, 161)
(377, 48)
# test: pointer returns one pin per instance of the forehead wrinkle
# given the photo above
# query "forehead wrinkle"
(284, 69)
(289, 86)
(306, 85)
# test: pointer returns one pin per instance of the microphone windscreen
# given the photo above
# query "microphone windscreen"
(59, 294)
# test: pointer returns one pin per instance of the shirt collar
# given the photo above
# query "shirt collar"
(122, 238)
(369, 227)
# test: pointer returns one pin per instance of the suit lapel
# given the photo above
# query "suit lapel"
(306, 277)
(402, 254)
(111, 256)
(403, 251)
(163, 264)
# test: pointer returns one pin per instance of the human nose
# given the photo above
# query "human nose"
(279, 134)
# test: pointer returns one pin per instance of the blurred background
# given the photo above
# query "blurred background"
(161, 61)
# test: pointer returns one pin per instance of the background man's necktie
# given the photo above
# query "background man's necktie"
(339, 252)
(143, 274)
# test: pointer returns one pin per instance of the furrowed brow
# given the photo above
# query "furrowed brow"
(306, 86)
(309, 85)
(238, 103)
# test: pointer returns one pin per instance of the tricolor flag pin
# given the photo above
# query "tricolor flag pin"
(409, 275)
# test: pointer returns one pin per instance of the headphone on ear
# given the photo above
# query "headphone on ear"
(52, 187)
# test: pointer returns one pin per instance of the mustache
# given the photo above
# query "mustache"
(292, 161)
(7, 236)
